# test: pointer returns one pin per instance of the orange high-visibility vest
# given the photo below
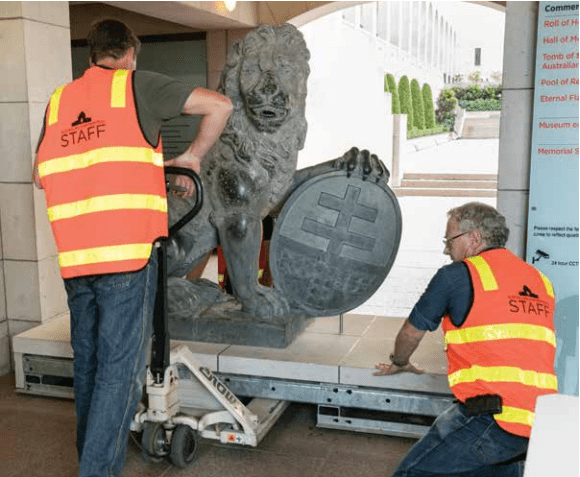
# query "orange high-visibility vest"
(507, 343)
(104, 183)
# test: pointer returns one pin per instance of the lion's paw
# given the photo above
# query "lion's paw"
(370, 166)
(266, 302)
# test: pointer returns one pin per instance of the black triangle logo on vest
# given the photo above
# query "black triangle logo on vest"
(527, 292)
(81, 119)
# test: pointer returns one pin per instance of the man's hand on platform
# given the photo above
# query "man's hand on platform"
(386, 369)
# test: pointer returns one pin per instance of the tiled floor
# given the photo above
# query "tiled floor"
(37, 439)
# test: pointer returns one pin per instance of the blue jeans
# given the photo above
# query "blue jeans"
(465, 446)
(111, 319)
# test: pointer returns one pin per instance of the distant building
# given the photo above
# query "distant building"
(353, 48)
(430, 41)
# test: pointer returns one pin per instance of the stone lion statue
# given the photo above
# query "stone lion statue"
(250, 171)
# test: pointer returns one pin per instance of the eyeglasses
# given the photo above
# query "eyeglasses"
(448, 241)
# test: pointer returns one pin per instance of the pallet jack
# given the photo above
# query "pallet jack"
(169, 428)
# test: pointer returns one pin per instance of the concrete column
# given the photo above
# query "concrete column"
(399, 148)
(425, 33)
(416, 31)
(34, 60)
(399, 30)
(441, 52)
(437, 45)
(428, 35)
(449, 54)
(515, 136)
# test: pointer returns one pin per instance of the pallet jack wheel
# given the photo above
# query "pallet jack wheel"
(154, 442)
(184, 446)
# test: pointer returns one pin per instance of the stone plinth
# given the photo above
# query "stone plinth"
(227, 324)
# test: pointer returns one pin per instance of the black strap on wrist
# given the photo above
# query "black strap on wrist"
(400, 364)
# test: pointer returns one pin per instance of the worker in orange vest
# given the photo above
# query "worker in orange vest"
(100, 163)
(497, 316)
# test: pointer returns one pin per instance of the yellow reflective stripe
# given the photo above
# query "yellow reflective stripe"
(504, 374)
(119, 89)
(107, 202)
(500, 332)
(516, 415)
(485, 273)
(54, 105)
(105, 254)
(100, 156)
(547, 284)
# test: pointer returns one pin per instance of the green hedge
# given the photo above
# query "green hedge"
(395, 102)
(417, 101)
(481, 105)
(415, 132)
(428, 106)
(406, 101)
(475, 91)
(472, 98)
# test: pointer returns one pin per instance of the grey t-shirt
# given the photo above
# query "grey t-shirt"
(159, 98)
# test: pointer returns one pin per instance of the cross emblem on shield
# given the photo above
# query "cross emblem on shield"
(334, 243)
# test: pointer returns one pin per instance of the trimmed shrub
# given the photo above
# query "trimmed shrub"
(428, 106)
(395, 103)
(405, 100)
(427, 132)
(481, 105)
(446, 103)
(417, 102)
(474, 91)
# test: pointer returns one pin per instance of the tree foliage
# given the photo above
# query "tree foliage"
(392, 85)
(446, 103)
(406, 101)
(428, 106)
(417, 102)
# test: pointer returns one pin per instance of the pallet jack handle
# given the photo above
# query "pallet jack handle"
(160, 338)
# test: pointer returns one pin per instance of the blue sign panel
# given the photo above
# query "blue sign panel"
(553, 225)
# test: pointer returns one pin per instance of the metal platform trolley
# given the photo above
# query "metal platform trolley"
(184, 400)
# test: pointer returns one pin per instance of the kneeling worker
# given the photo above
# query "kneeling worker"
(497, 314)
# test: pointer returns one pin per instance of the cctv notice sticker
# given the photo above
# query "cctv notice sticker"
(552, 245)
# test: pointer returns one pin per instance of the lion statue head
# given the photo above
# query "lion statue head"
(265, 77)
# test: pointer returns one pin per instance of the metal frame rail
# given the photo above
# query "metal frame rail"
(386, 411)
(376, 410)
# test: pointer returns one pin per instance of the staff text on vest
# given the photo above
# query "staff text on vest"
(525, 306)
(78, 135)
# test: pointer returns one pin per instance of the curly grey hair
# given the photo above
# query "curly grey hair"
(484, 218)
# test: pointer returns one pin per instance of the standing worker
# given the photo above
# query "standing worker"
(497, 314)
(100, 163)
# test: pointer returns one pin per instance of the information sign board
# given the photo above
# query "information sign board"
(552, 244)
